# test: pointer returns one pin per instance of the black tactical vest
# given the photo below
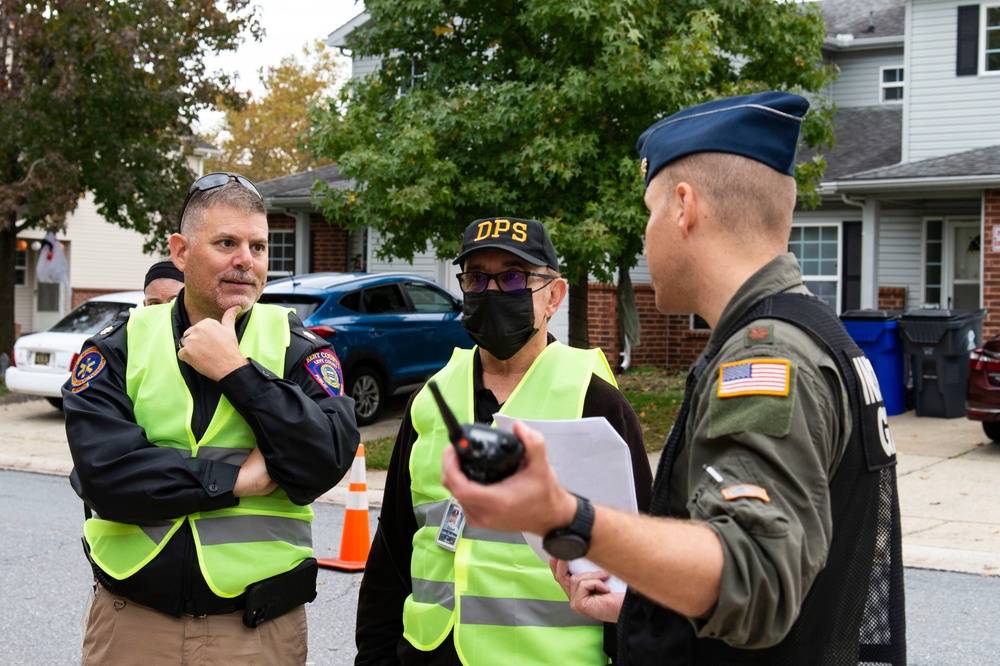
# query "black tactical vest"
(854, 612)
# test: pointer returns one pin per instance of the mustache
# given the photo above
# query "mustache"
(246, 277)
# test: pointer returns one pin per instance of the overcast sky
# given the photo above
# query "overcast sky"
(289, 24)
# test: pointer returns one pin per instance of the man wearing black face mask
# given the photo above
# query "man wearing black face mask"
(485, 598)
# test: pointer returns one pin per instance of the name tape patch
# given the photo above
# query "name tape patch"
(324, 366)
(754, 377)
(745, 490)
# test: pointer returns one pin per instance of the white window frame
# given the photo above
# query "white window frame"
(884, 85)
(287, 241)
(837, 278)
(983, 30)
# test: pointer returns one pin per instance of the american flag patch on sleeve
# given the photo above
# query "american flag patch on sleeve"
(754, 377)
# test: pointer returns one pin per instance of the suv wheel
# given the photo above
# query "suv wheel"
(365, 386)
(992, 430)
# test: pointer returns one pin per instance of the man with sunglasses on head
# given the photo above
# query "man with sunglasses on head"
(433, 593)
(201, 430)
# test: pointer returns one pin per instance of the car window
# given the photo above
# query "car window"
(351, 301)
(90, 317)
(429, 299)
(383, 299)
(303, 305)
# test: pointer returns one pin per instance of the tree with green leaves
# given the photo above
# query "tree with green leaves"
(531, 108)
(261, 139)
(99, 97)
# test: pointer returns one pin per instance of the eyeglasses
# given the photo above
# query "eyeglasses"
(211, 181)
(475, 282)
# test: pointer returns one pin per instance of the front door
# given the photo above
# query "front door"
(952, 259)
(965, 253)
(48, 305)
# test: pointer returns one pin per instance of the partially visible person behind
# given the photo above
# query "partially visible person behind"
(163, 281)
(774, 536)
(201, 430)
(433, 593)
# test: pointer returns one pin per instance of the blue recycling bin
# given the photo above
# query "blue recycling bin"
(876, 332)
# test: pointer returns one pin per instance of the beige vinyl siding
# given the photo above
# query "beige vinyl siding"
(103, 255)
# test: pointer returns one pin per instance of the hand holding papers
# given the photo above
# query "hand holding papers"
(591, 459)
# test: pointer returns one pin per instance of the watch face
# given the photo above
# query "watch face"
(565, 546)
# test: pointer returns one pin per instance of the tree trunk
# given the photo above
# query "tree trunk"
(8, 243)
(579, 335)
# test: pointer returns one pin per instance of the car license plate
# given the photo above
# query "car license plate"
(41, 359)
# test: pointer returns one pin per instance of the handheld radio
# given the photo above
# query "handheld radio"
(485, 454)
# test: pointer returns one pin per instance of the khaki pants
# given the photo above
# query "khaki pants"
(119, 631)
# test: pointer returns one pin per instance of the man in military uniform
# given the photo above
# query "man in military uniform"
(774, 536)
(201, 430)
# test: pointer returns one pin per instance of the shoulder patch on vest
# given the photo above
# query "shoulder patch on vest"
(762, 410)
(324, 366)
(89, 364)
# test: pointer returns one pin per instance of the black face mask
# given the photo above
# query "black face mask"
(499, 322)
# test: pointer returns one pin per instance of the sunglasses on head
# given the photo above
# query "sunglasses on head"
(210, 181)
(476, 282)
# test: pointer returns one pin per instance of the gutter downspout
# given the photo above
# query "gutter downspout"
(870, 210)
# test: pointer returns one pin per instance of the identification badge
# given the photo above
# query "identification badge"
(451, 526)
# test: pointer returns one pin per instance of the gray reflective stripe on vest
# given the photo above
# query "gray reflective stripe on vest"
(434, 592)
(252, 528)
(224, 454)
(432, 513)
(521, 613)
(157, 530)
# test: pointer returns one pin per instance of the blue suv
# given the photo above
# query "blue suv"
(391, 331)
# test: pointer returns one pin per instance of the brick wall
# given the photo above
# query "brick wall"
(329, 245)
(891, 298)
(81, 295)
(328, 241)
(991, 265)
(665, 341)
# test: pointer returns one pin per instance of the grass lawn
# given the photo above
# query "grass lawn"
(654, 394)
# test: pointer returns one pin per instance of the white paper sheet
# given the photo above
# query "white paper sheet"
(592, 460)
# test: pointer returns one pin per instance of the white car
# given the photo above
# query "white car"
(43, 361)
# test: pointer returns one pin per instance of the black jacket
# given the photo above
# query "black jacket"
(308, 439)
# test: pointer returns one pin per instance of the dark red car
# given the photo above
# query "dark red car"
(982, 395)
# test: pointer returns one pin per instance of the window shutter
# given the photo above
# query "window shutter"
(967, 56)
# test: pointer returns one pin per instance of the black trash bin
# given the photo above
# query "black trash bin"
(937, 343)
(877, 334)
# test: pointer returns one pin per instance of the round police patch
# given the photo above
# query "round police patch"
(324, 366)
(89, 364)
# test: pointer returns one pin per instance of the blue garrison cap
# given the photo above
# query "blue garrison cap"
(763, 127)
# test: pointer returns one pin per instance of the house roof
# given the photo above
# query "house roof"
(338, 38)
(867, 138)
(978, 162)
(971, 169)
(864, 19)
(297, 188)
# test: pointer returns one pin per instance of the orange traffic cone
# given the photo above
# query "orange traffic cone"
(355, 539)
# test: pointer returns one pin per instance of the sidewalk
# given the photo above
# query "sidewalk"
(949, 480)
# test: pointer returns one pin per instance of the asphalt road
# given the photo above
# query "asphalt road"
(44, 579)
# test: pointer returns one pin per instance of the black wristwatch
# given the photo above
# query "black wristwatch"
(569, 543)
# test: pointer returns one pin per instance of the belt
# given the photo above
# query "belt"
(214, 606)
(193, 607)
